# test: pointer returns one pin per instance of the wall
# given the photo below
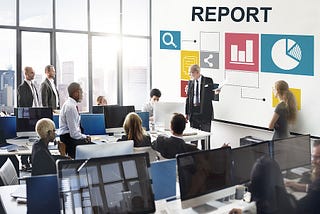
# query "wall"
(284, 47)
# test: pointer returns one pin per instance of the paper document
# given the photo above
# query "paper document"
(220, 85)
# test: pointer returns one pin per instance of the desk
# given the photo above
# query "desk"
(9, 203)
(190, 134)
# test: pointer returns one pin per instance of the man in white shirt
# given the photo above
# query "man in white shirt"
(49, 92)
(155, 95)
(69, 121)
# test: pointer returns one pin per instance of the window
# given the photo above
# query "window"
(104, 68)
(136, 17)
(35, 13)
(105, 16)
(8, 12)
(72, 65)
(71, 14)
(36, 54)
(135, 71)
(7, 69)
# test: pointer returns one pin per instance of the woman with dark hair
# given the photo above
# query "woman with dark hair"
(268, 190)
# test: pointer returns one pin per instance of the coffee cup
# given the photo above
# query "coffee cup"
(240, 191)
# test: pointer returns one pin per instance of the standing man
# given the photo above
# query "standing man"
(27, 92)
(69, 121)
(49, 92)
(27, 97)
(200, 94)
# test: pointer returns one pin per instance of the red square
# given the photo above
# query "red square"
(184, 88)
(242, 52)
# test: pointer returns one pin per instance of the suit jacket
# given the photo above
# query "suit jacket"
(25, 97)
(206, 97)
(169, 147)
(48, 97)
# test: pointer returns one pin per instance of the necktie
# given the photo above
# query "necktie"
(197, 93)
(35, 95)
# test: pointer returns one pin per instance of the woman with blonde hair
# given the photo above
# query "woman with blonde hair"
(133, 128)
(285, 112)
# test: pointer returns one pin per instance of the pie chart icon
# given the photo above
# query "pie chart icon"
(286, 54)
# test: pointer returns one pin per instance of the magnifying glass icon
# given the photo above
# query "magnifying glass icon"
(170, 41)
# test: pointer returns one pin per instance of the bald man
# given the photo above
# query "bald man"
(69, 121)
(27, 92)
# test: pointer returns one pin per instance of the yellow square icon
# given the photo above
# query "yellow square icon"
(297, 94)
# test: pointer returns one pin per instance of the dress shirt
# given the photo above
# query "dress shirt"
(54, 90)
(34, 93)
(195, 92)
(69, 120)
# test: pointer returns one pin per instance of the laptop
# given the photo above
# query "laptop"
(117, 184)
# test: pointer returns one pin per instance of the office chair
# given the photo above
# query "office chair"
(93, 124)
(8, 174)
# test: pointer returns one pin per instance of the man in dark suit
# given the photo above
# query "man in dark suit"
(27, 97)
(49, 92)
(199, 110)
(169, 147)
(27, 92)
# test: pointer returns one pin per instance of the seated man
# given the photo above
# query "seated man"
(42, 161)
(169, 147)
(69, 121)
(155, 95)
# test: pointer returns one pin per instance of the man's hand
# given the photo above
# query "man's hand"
(88, 139)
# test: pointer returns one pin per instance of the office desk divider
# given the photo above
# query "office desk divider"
(145, 119)
(164, 178)
(93, 124)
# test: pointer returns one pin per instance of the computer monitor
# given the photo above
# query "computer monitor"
(163, 112)
(206, 174)
(26, 119)
(104, 150)
(118, 184)
(99, 109)
(292, 152)
(114, 115)
(243, 159)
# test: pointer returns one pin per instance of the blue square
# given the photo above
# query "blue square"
(170, 40)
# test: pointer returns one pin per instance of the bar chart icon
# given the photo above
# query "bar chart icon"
(242, 51)
(242, 56)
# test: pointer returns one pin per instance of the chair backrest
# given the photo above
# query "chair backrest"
(8, 173)
(164, 175)
(93, 124)
(145, 119)
(152, 153)
(55, 119)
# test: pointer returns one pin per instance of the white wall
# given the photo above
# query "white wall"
(239, 103)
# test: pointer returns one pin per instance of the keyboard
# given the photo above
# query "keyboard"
(20, 192)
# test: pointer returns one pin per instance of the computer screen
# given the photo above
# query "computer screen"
(204, 172)
(118, 184)
(26, 119)
(243, 159)
(292, 152)
(104, 150)
(163, 112)
(114, 115)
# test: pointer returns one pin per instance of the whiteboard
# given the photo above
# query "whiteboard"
(289, 32)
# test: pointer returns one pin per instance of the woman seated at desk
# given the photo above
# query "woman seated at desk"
(268, 190)
(133, 128)
(42, 161)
